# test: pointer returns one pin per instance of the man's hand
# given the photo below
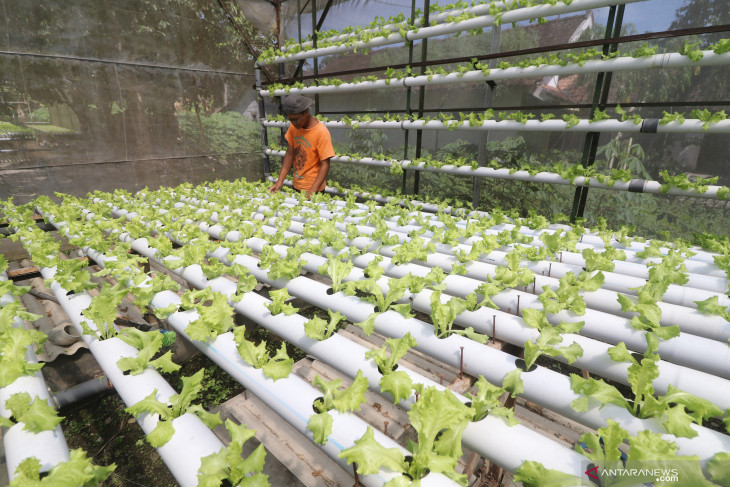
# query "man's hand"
(275, 187)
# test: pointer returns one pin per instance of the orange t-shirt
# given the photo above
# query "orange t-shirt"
(310, 146)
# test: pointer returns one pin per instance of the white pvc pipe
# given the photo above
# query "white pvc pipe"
(507, 17)
(624, 279)
(634, 185)
(475, 10)
(192, 439)
(250, 302)
(352, 305)
(627, 63)
(588, 237)
(611, 329)
(690, 126)
(542, 386)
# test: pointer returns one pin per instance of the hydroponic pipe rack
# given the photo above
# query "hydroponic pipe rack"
(226, 221)
(478, 22)
(633, 185)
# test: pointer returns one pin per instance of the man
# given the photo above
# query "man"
(309, 150)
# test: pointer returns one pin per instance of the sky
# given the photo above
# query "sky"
(647, 16)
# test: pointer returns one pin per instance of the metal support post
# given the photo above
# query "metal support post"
(315, 60)
(421, 94)
(408, 101)
(600, 98)
(264, 134)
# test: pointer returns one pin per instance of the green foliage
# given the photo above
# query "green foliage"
(177, 405)
(343, 400)
(228, 463)
(78, 470)
(35, 413)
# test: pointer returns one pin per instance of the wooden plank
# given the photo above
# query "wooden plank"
(23, 273)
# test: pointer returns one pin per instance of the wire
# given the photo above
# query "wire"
(123, 63)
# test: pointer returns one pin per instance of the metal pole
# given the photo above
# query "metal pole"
(264, 134)
(299, 21)
(408, 100)
(488, 101)
(600, 97)
(315, 60)
(421, 94)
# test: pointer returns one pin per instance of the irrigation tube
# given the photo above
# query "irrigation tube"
(191, 435)
(689, 126)
(678, 308)
(705, 378)
(702, 262)
(542, 386)
(349, 358)
(668, 60)
(480, 22)
(192, 439)
(701, 273)
(634, 185)
(49, 447)
(251, 264)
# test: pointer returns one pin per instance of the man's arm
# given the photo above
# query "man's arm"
(324, 168)
(285, 167)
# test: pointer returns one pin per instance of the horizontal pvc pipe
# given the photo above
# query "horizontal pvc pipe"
(610, 329)
(671, 60)
(351, 310)
(690, 126)
(698, 288)
(49, 447)
(434, 19)
(634, 185)
(192, 439)
(678, 350)
(542, 386)
(480, 22)
(429, 210)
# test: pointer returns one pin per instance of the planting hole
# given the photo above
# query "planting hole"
(519, 363)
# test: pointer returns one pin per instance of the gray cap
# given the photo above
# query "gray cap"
(296, 103)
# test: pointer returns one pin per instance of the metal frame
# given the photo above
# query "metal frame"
(610, 44)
